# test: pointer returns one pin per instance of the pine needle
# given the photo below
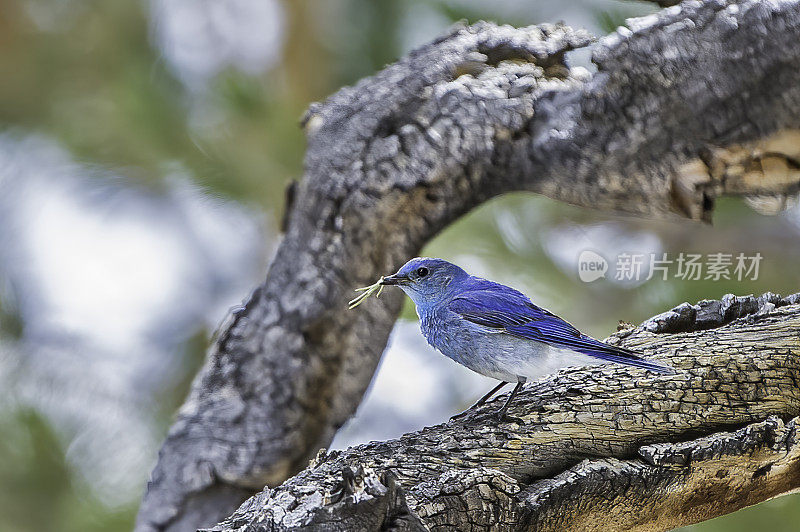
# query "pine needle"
(366, 291)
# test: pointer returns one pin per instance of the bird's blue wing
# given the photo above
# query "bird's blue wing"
(509, 311)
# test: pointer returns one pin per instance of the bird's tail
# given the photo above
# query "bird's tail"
(620, 355)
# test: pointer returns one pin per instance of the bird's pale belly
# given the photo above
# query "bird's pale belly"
(502, 356)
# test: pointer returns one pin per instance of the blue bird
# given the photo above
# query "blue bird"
(497, 331)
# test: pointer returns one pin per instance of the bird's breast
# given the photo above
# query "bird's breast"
(434, 329)
(458, 340)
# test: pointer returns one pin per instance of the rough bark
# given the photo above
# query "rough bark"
(588, 449)
(694, 103)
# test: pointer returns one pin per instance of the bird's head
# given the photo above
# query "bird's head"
(427, 281)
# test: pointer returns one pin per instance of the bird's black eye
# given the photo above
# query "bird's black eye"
(422, 272)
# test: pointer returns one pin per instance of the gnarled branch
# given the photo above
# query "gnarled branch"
(693, 103)
(590, 449)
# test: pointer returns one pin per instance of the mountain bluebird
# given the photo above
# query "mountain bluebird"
(497, 331)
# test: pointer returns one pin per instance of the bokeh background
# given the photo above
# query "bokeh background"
(144, 150)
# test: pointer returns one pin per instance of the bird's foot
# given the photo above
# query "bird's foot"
(461, 414)
(502, 417)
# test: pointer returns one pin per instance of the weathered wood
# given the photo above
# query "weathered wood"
(685, 106)
(591, 448)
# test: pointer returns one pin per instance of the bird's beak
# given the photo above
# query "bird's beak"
(395, 279)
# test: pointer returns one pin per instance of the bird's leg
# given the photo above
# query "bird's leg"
(482, 400)
(501, 414)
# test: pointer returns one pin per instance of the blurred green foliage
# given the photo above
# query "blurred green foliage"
(94, 80)
(38, 489)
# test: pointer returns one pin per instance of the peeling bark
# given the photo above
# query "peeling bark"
(685, 106)
(589, 448)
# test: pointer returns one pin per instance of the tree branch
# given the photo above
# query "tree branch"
(592, 448)
(694, 103)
